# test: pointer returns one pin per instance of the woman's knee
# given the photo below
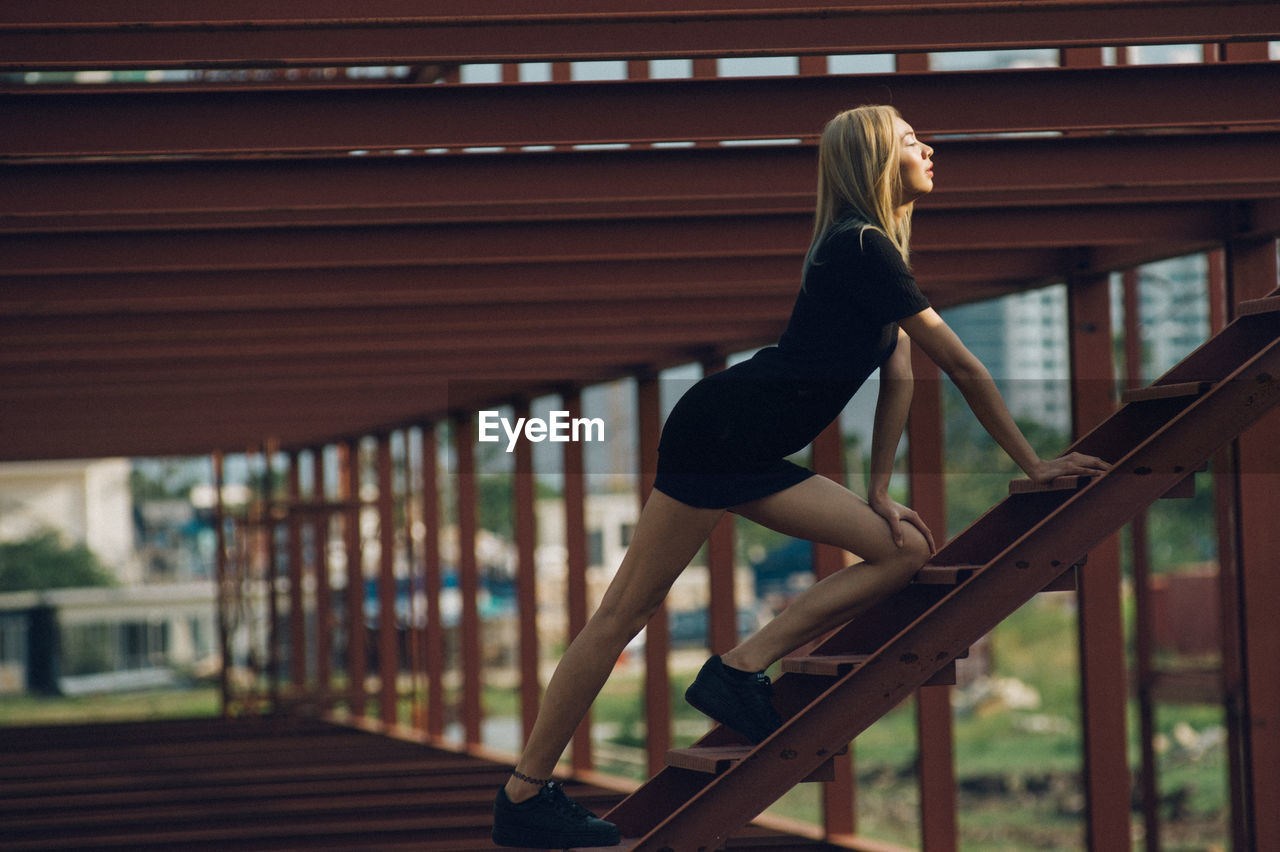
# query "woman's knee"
(914, 552)
(625, 615)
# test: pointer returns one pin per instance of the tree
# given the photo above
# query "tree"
(43, 562)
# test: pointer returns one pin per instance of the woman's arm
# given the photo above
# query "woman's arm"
(891, 414)
(940, 343)
(891, 419)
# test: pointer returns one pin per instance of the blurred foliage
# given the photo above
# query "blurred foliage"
(43, 562)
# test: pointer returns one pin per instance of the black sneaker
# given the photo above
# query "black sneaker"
(739, 700)
(550, 820)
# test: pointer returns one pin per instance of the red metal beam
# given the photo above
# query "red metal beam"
(575, 537)
(335, 248)
(356, 352)
(643, 283)
(591, 240)
(149, 194)
(722, 608)
(1253, 273)
(472, 708)
(388, 647)
(321, 524)
(206, 11)
(452, 288)
(1103, 674)
(69, 38)
(657, 633)
(293, 558)
(162, 120)
(934, 724)
(353, 547)
(434, 640)
(839, 796)
(524, 509)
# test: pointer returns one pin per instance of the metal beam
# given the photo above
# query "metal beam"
(383, 330)
(64, 36)
(472, 286)
(587, 240)
(651, 183)
(368, 353)
(117, 121)
(660, 286)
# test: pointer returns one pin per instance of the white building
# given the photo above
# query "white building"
(86, 502)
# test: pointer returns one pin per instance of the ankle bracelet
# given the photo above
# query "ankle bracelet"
(520, 775)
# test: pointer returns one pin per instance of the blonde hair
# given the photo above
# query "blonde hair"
(858, 175)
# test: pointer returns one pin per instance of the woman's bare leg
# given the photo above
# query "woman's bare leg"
(822, 511)
(667, 536)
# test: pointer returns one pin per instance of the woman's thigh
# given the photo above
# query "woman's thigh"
(667, 536)
(823, 511)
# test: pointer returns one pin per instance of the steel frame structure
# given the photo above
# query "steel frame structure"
(213, 268)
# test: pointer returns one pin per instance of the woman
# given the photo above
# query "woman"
(724, 445)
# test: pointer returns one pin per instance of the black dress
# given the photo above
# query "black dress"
(725, 442)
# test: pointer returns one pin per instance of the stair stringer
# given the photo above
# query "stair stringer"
(676, 811)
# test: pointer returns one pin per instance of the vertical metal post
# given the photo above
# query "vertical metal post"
(1103, 681)
(575, 542)
(411, 659)
(388, 647)
(431, 581)
(349, 467)
(526, 578)
(324, 591)
(1143, 626)
(911, 62)
(271, 566)
(468, 579)
(813, 65)
(220, 577)
(297, 607)
(657, 643)
(1246, 51)
(1233, 679)
(839, 811)
(927, 485)
(1252, 272)
(722, 607)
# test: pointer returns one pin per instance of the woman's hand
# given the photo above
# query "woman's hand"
(1071, 464)
(895, 513)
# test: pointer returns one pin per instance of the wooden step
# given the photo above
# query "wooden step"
(953, 575)
(1184, 488)
(1174, 390)
(713, 760)
(1062, 483)
(944, 575)
(1253, 307)
(839, 665)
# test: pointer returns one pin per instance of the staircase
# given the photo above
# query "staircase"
(1030, 542)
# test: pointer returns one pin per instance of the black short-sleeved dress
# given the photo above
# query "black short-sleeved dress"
(725, 442)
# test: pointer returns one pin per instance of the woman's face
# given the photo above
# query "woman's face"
(915, 165)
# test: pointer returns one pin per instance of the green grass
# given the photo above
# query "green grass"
(124, 707)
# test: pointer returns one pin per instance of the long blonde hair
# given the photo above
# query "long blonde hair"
(858, 175)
